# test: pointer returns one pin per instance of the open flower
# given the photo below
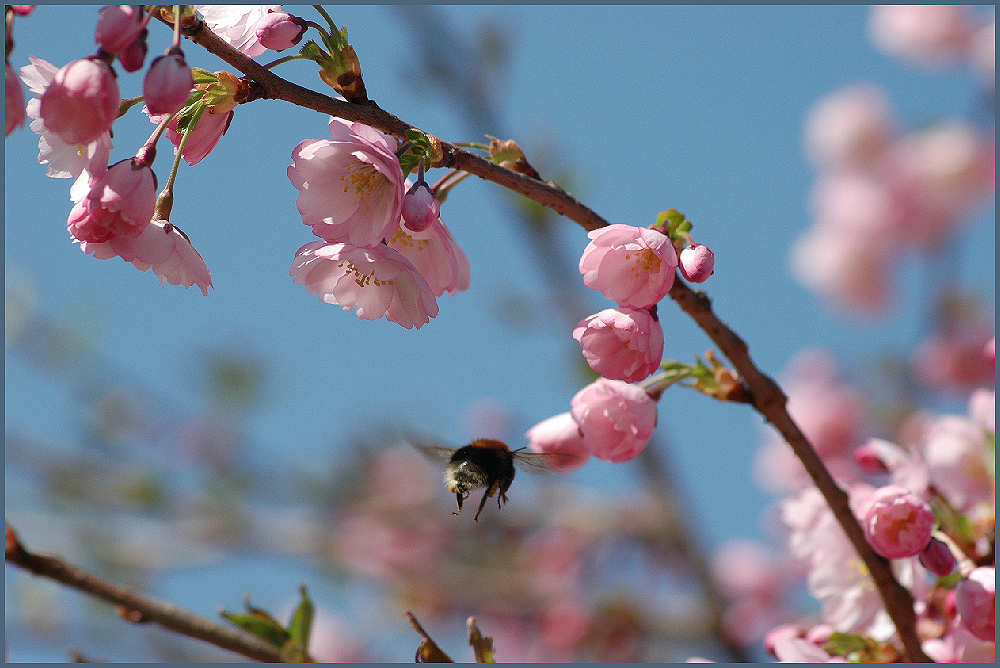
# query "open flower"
(621, 343)
(81, 102)
(436, 255)
(376, 280)
(237, 24)
(121, 202)
(351, 187)
(162, 247)
(615, 418)
(634, 266)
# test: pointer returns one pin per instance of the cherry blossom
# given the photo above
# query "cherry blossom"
(852, 127)
(351, 187)
(279, 30)
(955, 451)
(378, 281)
(81, 102)
(929, 35)
(162, 247)
(621, 343)
(938, 558)
(118, 27)
(560, 434)
(120, 201)
(633, 266)
(237, 24)
(167, 84)
(697, 263)
(420, 208)
(615, 418)
(436, 255)
(976, 600)
(896, 522)
(202, 139)
(13, 101)
(65, 160)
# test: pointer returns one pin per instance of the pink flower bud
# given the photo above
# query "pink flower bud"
(615, 418)
(897, 523)
(13, 101)
(168, 83)
(634, 266)
(22, 10)
(697, 263)
(81, 103)
(279, 31)
(420, 208)
(975, 597)
(560, 434)
(121, 202)
(621, 343)
(867, 458)
(118, 26)
(937, 558)
(134, 55)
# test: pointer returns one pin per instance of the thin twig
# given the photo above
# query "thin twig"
(136, 607)
(768, 398)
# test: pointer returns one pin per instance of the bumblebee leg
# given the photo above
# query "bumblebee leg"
(459, 497)
(501, 497)
(481, 505)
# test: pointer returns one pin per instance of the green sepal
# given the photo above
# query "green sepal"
(301, 625)
(260, 624)
(419, 148)
(673, 223)
(202, 76)
(858, 648)
(312, 51)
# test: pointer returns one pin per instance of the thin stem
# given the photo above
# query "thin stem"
(136, 607)
(768, 399)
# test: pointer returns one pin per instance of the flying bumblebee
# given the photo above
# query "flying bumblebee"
(486, 463)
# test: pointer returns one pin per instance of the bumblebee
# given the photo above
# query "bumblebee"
(485, 463)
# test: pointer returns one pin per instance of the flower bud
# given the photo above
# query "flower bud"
(420, 208)
(621, 343)
(937, 558)
(897, 523)
(118, 26)
(13, 101)
(975, 597)
(697, 263)
(168, 83)
(81, 103)
(560, 434)
(279, 31)
(134, 55)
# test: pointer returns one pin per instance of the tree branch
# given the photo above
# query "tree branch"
(768, 399)
(136, 607)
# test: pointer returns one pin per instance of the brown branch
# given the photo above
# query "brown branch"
(136, 607)
(768, 399)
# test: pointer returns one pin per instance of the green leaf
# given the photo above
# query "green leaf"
(260, 624)
(301, 625)
(202, 76)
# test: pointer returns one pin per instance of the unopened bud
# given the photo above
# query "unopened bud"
(697, 263)
(896, 522)
(118, 26)
(937, 558)
(420, 208)
(134, 55)
(279, 31)
(168, 83)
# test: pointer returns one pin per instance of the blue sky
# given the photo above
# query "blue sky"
(698, 108)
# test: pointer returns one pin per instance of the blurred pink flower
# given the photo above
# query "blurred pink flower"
(81, 102)
(13, 101)
(958, 645)
(560, 434)
(621, 343)
(852, 127)
(120, 202)
(896, 522)
(279, 30)
(118, 26)
(959, 463)
(983, 409)
(976, 600)
(436, 255)
(633, 266)
(202, 139)
(928, 35)
(167, 84)
(161, 247)
(237, 24)
(65, 161)
(793, 649)
(351, 187)
(377, 281)
(615, 418)
(954, 359)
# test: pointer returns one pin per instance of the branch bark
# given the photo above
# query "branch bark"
(768, 399)
(136, 607)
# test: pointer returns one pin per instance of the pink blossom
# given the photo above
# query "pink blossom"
(202, 139)
(851, 127)
(162, 247)
(958, 645)
(420, 208)
(955, 451)
(13, 101)
(120, 202)
(983, 53)
(279, 30)
(81, 102)
(697, 263)
(929, 35)
(983, 409)
(168, 83)
(436, 255)
(237, 24)
(118, 26)
(65, 161)
(351, 187)
(377, 280)
(615, 418)
(560, 434)
(793, 649)
(634, 266)
(897, 523)
(953, 359)
(976, 600)
(621, 343)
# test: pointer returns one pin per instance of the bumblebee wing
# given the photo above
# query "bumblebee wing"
(539, 463)
(434, 452)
